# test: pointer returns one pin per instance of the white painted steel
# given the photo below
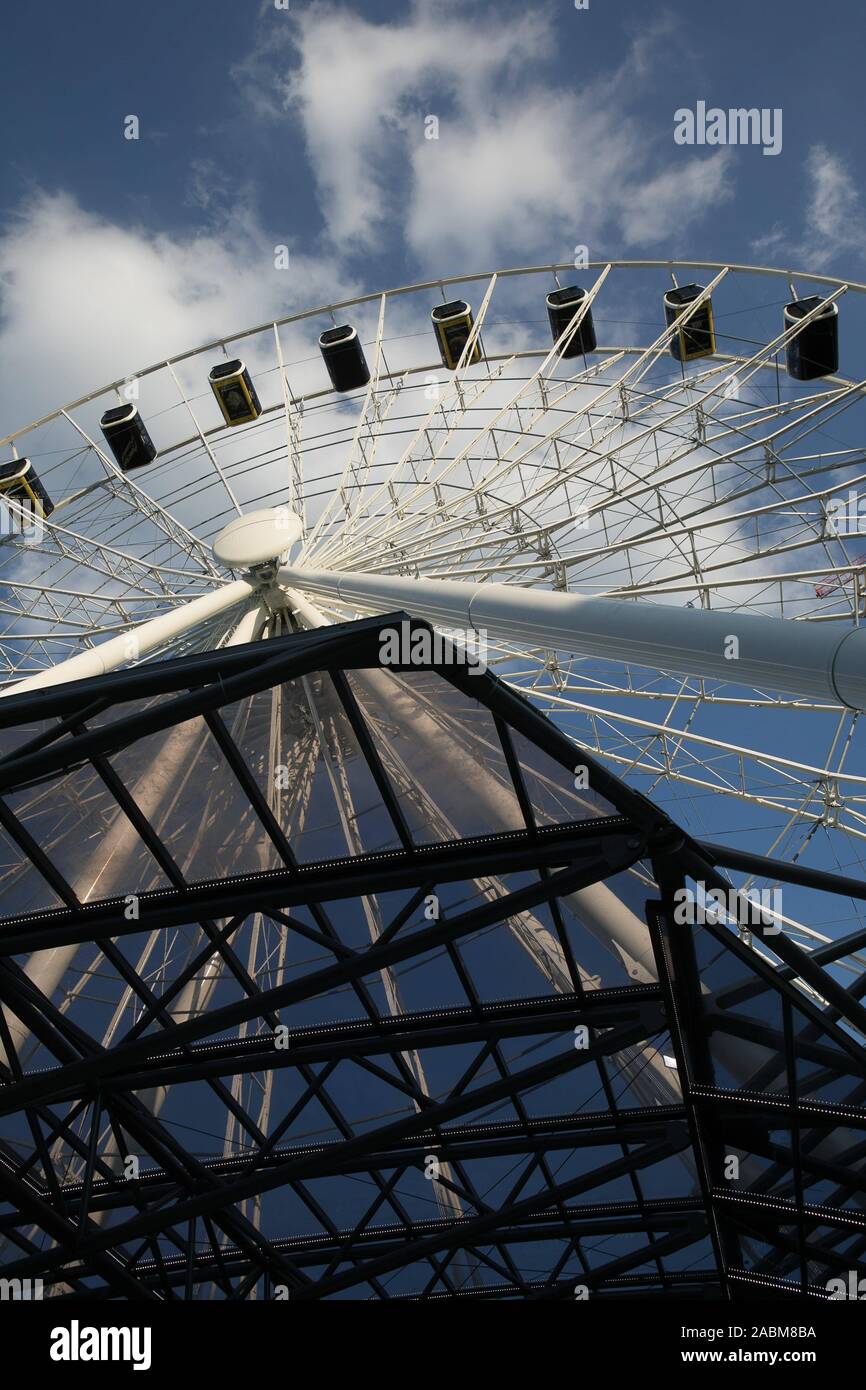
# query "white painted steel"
(822, 661)
(131, 646)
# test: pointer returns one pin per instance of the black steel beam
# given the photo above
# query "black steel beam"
(484, 1226)
(435, 1114)
(359, 876)
(456, 1144)
(311, 1251)
(363, 963)
(400, 1033)
(763, 866)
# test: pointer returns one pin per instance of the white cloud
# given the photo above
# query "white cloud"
(208, 187)
(772, 241)
(363, 89)
(505, 183)
(84, 301)
(834, 222)
(522, 164)
(674, 198)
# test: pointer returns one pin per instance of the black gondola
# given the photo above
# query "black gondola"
(127, 437)
(562, 305)
(697, 338)
(814, 351)
(236, 396)
(452, 324)
(344, 358)
(20, 484)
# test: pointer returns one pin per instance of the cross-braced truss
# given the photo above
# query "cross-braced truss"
(363, 994)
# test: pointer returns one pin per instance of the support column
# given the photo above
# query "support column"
(824, 661)
(139, 641)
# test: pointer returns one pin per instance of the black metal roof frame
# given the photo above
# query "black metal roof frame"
(761, 1236)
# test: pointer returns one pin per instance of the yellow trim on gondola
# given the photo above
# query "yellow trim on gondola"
(14, 486)
(694, 321)
(442, 328)
(231, 383)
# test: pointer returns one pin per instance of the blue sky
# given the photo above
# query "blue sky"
(260, 127)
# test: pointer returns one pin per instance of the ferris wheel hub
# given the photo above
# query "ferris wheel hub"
(257, 538)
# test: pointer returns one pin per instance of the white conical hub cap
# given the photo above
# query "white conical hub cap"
(257, 537)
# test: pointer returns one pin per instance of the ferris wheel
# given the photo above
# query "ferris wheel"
(633, 500)
(706, 458)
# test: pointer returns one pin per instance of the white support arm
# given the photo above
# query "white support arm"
(818, 660)
(139, 641)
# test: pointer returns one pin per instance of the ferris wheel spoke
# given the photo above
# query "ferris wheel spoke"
(458, 394)
(363, 440)
(294, 419)
(504, 464)
(386, 492)
(504, 467)
(82, 552)
(152, 510)
(701, 521)
(738, 770)
(649, 487)
(203, 439)
(649, 490)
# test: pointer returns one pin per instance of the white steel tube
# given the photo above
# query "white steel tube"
(597, 907)
(139, 641)
(818, 660)
(104, 871)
